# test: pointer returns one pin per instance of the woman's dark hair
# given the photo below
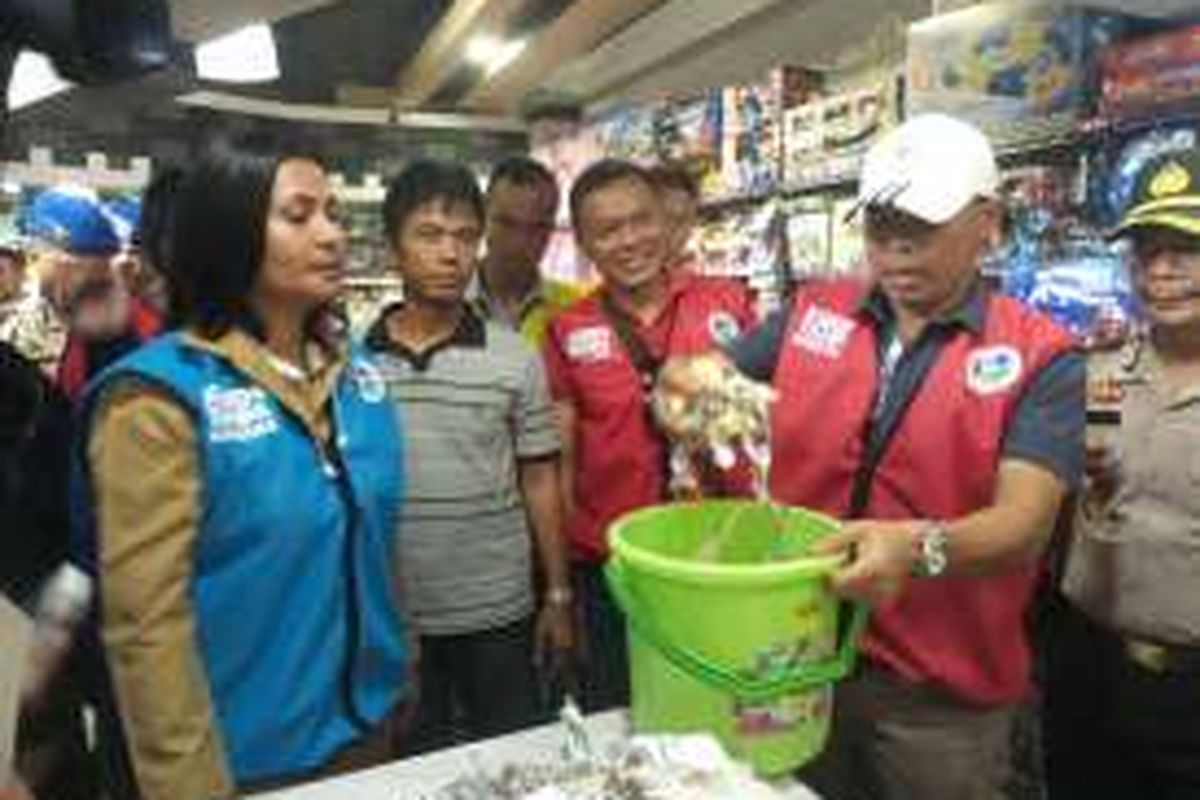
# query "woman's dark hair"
(156, 223)
(429, 181)
(602, 174)
(221, 207)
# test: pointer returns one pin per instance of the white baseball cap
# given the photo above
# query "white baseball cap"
(931, 167)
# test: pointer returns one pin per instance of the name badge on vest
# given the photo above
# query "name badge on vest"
(823, 332)
(590, 344)
(991, 370)
(238, 414)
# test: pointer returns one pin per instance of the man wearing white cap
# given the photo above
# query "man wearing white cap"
(945, 424)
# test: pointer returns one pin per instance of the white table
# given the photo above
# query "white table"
(411, 777)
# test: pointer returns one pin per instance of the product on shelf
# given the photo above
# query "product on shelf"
(1021, 70)
(846, 247)
(824, 139)
(365, 297)
(1060, 263)
(566, 156)
(1150, 72)
(1118, 168)
(750, 140)
(687, 131)
(809, 237)
(742, 243)
(628, 132)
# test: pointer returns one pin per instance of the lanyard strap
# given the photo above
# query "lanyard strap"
(647, 366)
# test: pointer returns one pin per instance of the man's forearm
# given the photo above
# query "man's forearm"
(1014, 529)
(543, 503)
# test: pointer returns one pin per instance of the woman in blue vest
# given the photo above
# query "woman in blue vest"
(243, 483)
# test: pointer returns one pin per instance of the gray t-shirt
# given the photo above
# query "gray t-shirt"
(472, 407)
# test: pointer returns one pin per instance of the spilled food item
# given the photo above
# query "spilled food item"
(661, 767)
(721, 412)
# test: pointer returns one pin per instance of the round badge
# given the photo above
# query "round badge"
(991, 370)
(723, 328)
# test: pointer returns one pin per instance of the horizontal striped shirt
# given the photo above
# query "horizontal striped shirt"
(473, 406)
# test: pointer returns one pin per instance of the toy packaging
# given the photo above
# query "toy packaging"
(1059, 263)
(628, 132)
(808, 237)
(750, 140)
(824, 139)
(1021, 70)
(1150, 72)
(846, 248)
(687, 131)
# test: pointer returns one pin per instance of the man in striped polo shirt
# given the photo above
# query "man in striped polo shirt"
(482, 458)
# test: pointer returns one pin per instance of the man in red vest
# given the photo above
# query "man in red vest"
(945, 425)
(603, 354)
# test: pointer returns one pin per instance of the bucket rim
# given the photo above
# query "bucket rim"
(719, 574)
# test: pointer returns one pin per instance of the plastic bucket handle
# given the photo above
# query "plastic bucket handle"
(799, 678)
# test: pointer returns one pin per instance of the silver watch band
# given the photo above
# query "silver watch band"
(933, 550)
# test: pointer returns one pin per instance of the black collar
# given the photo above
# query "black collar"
(970, 314)
(470, 332)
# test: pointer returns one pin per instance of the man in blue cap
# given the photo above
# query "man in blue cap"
(79, 279)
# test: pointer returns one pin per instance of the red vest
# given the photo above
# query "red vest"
(618, 457)
(965, 633)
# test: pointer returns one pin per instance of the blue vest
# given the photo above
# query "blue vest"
(292, 588)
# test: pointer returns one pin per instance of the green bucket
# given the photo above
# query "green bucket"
(733, 629)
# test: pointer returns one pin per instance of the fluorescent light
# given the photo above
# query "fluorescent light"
(244, 56)
(492, 53)
(33, 79)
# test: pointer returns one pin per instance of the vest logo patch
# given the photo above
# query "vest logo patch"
(723, 328)
(238, 415)
(369, 382)
(991, 370)
(587, 345)
(823, 332)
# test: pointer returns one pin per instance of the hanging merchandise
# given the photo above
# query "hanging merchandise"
(1020, 70)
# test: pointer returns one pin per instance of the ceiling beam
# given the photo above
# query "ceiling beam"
(576, 31)
(654, 40)
(441, 54)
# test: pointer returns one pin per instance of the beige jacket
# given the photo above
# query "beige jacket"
(143, 457)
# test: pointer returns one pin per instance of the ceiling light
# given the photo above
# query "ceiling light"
(33, 79)
(244, 56)
(491, 53)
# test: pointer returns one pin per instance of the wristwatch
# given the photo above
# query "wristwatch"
(933, 550)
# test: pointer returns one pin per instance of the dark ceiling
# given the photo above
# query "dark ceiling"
(354, 42)
(348, 43)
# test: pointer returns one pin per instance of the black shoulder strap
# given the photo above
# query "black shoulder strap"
(647, 367)
(644, 362)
